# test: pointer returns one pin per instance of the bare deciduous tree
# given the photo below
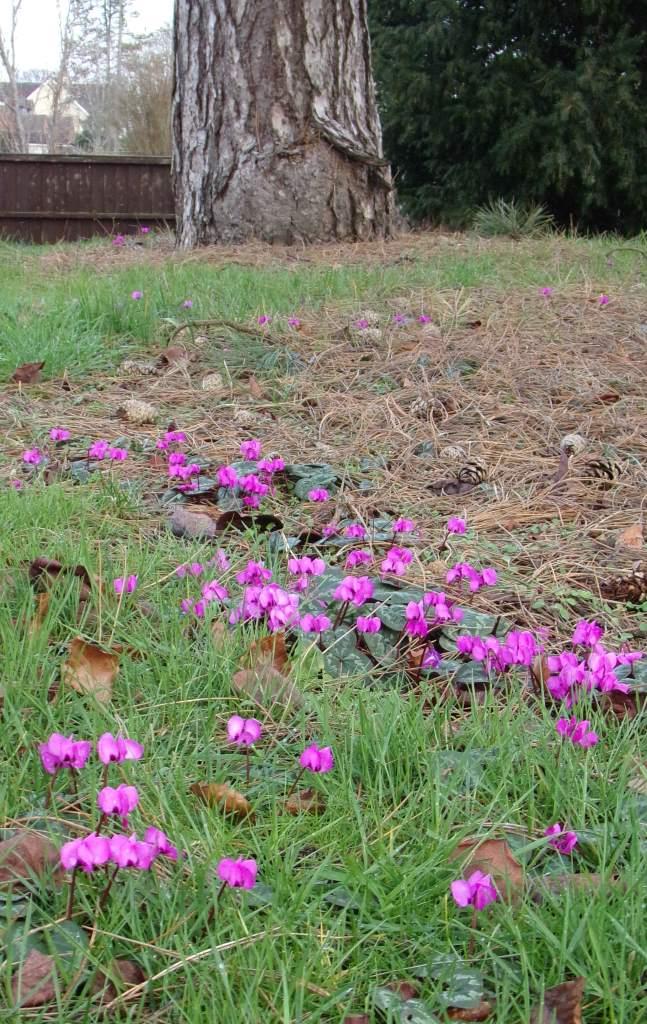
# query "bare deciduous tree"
(14, 130)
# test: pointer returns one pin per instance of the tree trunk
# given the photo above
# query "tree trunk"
(275, 123)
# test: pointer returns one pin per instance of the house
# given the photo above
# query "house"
(36, 109)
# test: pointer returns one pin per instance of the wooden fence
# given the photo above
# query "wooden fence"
(48, 198)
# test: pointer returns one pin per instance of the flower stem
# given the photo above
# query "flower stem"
(294, 784)
(472, 939)
(106, 892)
(104, 775)
(102, 821)
(70, 896)
(49, 791)
(247, 753)
(212, 912)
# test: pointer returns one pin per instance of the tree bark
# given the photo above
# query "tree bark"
(276, 133)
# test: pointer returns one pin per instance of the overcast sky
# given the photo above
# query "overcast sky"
(37, 31)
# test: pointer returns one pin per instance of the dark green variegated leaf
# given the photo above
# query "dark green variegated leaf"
(402, 1011)
(305, 484)
(472, 673)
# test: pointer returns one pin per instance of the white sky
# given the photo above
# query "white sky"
(36, 44)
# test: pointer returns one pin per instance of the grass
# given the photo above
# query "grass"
(358, 897)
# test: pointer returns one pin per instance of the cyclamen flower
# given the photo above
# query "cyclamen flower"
(396, 561)
(356, 589)
(124, 585)
(175, 436)
(251, 484)
(130, 852)
(251, 449)
(144, 230)
(329, 530)
(318, 494)
(577, 732)
(63, 752)
(477, 891)
(120, 801)
(603, 300)
(136, 295)
(176, 459)
(214, 591)
(238, 874)
(271, 466)
(361, 324)
(263, 320)
(187, 304)
(243, 731)
(403, 526)
(357, 557)
(307, 566)
(587, 633)
(294, 321)
(87, 853)
(416, 622)
(117, 454)
(227, 476)
(368, 624)
(32, 456)
(424, 319)
(465, 571)
(59, 434)
(255, 573)
(117, 749)
(546, 292)
(400, 319)
(161, 843)
(220, 560)
(98, 449)
(355, 531)
(317, 759)
(309, 623)
(119, 240)
(563, 842)
(456, 525)
(444, 609)
(277, 606)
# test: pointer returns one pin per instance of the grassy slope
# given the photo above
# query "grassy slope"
(397, 805)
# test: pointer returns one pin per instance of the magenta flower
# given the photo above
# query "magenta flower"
(396, 561)
(251, 449)
(144, 230)
(16, 484)
(306, 566)
(130, 852)
(587, 633)
(176, 458)
(63, 752)
(136, 296)
(117, 454)
(489, 576)
(318, 494)
(220, 560)
(87, 853)
(187, 304)
(263, 320)
(330, 530)
(361, 324)
(161, 843)
(59, 434)
(125, 585)
(604, 300)
(355, 589)
(214, 591)
(563, 842)
(243, 731)
(317, 759)
(456, 525)
(271, 466)
(119, 240)
(117, 748)
(199, 609)
(416, 623)
(227, 476)
(400, 319)
(309, 623)
(120, 801)
(252, 484)
(175, 436)
(546, 292)
(196, 569)
(477, 891)
(255, 573)
(444, 609)
(368, 624)
(294, 321)
(404, 526)
(238, 874)
(577, 732)
(98, 449)
(32, 456)
(357, 557)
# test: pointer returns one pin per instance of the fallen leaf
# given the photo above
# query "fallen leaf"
(480, 1012)
(38, 620)
(174, 355)
(561, 1004)
(405, 989)
(492, 857)
(89, 669)
(43, 570)
(267, 686)
(126, 972)
(621, 705)
(24, 855)
(270, 650)
(221, 795)
(607, 397)
(255, 389)
(632, 537)
(32, 983)
(357, 1018)
(28, 373)
(306, 801)
(184, 523)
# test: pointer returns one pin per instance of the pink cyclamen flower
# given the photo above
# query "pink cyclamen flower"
(271, 466)
(251, 449)
(214, 591)
(16, 484)
(355, 531)
(400, 319)
(456, 525)
(404, 526)
(357, 557)
(98, 449)
(604, 300)
(144, 230)
(368, 624)
(263, 320)
(254, 573)
(587, 633)
(119, 240)
(396, 561)
(117, 749)
(489, 577)
(309, 623)
(546, 292)
(175, 436)
(318, 494)
(120, 801)
(130, 852)
(161, 843)
(87, 853)
(32, 456)
(577, 732)
(293, 321)
(238, 874)
(355, 589)
(317, 759)
(136, 295)
(424, 319)
(125, 585)
(187, 304)
(117, 454)
(252, 484)
(416, 623)
(478, 891)
(306, 566)
(63, 752)
(563, 842)
(227, 476)
(176, 459)
(59, 434)
(361, 324)
(243, 731)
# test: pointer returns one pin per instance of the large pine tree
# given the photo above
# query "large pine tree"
(531, 99)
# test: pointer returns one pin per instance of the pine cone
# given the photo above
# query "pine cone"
(602, 469)
(138, 412)
(472, 472)
(573, 444)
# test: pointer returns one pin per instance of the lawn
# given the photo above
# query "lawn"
(428, 379)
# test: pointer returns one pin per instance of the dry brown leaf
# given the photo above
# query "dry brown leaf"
(405, 989)
(42, 571)
(221, 795)
(306, 801)
(255, 389)
(126, 972)
(38, 619)
(174, 355)
(357, 1018)
(32, 983)
(28, 373)
(266, 687)
(184, 523)
(492, 857)
(89, 669)
(620, 705)
(25, 855)
(562, 1004)
(632, 537)
(480, 1012)
(270, 650)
